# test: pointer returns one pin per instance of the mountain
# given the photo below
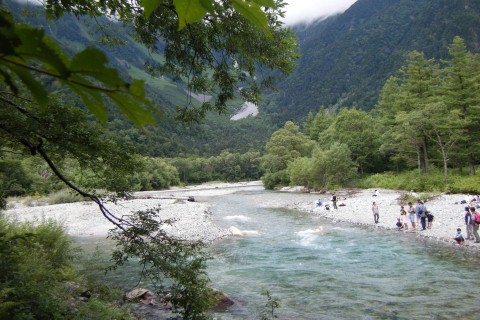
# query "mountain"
(170, 138)
(346, 59)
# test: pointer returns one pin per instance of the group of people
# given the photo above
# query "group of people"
(334, 199)
(472, 224)
(472, 200)
(411, 216)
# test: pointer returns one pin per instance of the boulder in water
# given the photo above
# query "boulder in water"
(140, 294)
(237, 232)
(223, 303)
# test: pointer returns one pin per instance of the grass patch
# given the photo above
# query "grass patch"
(434, 182)
(65, 196)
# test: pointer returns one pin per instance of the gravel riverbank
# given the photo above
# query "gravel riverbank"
(84, 219)
(447, 210)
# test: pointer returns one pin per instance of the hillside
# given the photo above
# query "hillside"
(346, 59)
(170, 138)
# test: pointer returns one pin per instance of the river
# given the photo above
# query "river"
(344, 272)
(319, 269)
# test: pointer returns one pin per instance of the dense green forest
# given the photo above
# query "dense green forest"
(426, 119)
(346, 59)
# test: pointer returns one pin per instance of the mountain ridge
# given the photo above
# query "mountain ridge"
(346, 59)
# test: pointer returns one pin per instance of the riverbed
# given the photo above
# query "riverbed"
(320, 264)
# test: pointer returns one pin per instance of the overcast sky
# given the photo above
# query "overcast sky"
(301, 11)
(305, 11)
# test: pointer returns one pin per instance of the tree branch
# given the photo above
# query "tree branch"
(106, 213)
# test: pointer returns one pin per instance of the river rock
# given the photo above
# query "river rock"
(223, 303)
(141, 294)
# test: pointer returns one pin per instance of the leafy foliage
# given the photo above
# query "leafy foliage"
(27, 49)
(214, 54)
(36, 265)
(434, 181)
(272, 305)
(426, 118)
(285, 145)
(165, 258)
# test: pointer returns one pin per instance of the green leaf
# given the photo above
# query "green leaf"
(265, 3)
(253, 13)
(7, 78)
(92, 99)
(9, 40)
(132, 110)
(137, 90)
(189, 11)
(149, 6)
(36, 45)
(37, 89)
(92, 62)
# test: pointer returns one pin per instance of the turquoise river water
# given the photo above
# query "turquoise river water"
(345, 272)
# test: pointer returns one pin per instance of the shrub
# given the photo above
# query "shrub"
(434, 181)
(36, 264)
(65, 196)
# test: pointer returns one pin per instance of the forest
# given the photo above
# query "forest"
(426, 120)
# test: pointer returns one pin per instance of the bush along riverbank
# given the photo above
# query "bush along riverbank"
(38, 278)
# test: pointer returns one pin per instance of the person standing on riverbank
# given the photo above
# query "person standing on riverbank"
(334, 200)
(468, 223)
(475, 224)
(412, 214)
(405, 218)
(421, 212)
(376, 214)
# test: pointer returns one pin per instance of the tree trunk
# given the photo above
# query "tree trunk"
(419, 159)
(425, 156)
(471, 164)
(445, 168)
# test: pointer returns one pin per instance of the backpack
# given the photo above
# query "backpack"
(477, 218)
(421, 211)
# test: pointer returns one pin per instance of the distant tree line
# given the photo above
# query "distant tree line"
(30, 176)
(427, 116)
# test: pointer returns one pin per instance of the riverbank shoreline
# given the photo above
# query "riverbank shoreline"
(447, 209)
(194, 220)
(185, 205)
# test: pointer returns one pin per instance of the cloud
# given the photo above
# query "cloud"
(307, 11)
